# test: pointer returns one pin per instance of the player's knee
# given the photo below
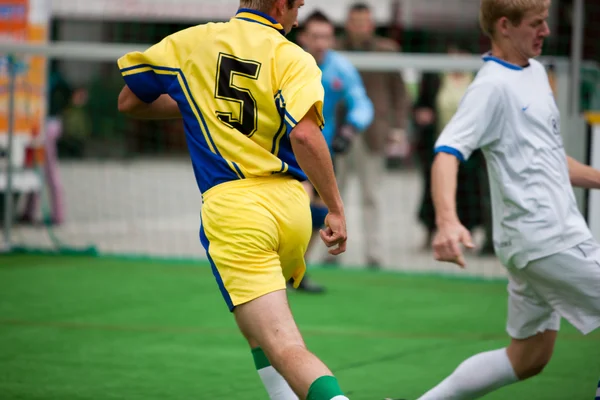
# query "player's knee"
(318, 215)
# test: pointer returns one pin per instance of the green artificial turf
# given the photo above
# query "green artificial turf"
(75, 327)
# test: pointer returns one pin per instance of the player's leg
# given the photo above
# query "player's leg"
(268, 320)
(370, 169)
(245, 268)
(570, 282)
(343, 165)
(275, 384)
(246, 232)
(294, 228)
(532, 325)
(486, 372)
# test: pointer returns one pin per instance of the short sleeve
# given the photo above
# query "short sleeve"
(300, 85)
(476, 123)
(149, 74)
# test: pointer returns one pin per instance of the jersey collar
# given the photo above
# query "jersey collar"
(489, 57)
(248, 14)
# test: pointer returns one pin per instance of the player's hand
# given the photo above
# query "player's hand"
(334, 235)
(343, 139)
(447, 243)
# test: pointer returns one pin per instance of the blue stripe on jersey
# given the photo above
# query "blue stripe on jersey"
(291, 118)
(286, 153)
(210, 169)
(277, 137)
(274, 24)
(450, 150)
(280, 104)
(206, 243)
(502, 62)
(282, 146)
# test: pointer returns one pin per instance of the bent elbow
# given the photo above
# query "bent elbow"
(300, 136)
(126, 103)
(122, 104)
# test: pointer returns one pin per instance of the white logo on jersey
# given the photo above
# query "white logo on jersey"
(554, 125)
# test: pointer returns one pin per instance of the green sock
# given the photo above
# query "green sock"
(325, 388)
(276, 386)
(260, 359)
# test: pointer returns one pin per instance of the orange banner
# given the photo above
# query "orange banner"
(24, 21)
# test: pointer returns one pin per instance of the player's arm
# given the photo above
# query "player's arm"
(451, 233)
(582, 175)
(313, 156)
(301, 90)
(148, 76)
(164, 107)
(468, 130)
(444, 174)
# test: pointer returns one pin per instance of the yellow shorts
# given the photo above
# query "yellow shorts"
(255, 232)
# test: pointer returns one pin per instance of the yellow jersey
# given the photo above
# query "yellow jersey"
(241, 87)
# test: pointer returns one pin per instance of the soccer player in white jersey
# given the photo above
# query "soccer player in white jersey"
(540, 236)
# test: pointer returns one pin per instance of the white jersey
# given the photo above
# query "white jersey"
(510, 113)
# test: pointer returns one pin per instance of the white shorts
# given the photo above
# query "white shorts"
(566, 284)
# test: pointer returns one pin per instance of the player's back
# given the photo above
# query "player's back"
(241, 88)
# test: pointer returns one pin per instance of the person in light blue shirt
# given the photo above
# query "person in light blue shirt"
(343, 88)
(341, 81)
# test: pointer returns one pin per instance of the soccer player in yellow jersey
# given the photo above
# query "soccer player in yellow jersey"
(251, 102)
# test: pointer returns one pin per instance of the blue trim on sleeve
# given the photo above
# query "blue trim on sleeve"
(147, 86)
(489, 57)
(450, 150)
(206, 244)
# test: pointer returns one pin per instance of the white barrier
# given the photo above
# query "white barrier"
(593, 216)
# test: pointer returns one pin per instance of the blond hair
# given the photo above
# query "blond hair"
(261, 5)
(514, 10)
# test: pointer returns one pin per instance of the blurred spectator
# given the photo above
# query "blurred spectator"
(59, 91)
(368, 154)
(43, 154)
(77, 126)
(438, 100)
(51, 178)
(342, 85)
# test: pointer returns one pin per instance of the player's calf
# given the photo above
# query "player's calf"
(269, 322)
(276, 386)
(530, 356)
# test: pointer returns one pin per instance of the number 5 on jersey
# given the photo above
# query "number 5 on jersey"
(228, 68)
